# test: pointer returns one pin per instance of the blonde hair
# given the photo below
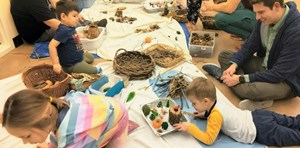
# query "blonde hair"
(202, 88)
(24, 108)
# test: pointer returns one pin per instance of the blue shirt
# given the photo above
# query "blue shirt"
(70, 49)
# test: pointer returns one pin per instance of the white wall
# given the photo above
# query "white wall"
(7, 28)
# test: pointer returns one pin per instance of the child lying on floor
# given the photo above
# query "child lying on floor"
(65, 48)
(263, 126)
(78, 120)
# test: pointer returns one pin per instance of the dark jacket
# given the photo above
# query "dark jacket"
(284, 57)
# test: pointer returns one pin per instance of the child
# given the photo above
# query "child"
(80, 120)
(263, 126)
(193, 7)
(65, 48)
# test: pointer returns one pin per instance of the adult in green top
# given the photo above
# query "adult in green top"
(234, 16)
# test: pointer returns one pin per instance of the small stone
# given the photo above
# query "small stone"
(178, 32)
(176, 38)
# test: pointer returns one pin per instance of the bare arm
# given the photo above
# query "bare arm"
(53, 23)
(226, 7)
(53, 55)
(53, 3)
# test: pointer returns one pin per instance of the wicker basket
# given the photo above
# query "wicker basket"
(179, 15)
(45, 72)
(137, 65)
(208, 22)
(165, 55)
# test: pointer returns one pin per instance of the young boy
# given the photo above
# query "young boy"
(65, 48)
(263, 126)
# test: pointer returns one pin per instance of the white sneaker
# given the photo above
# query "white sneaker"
(253, 105)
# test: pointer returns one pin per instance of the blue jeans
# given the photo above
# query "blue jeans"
(240, 22)
(275, 129)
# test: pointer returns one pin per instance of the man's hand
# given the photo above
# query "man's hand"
(230, 70)
(230, 80)
(57, 68)
(182, 126)
(81, 35)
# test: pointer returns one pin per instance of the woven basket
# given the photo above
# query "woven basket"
(179, 15)
(165, 55)
(45, 72)
(137, 65)
(208, 22)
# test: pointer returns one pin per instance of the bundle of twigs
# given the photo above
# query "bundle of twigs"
(164, 55)
(177, 84)
(92, 31)
(172, 86)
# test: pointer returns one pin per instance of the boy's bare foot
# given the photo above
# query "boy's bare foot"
(190, 26)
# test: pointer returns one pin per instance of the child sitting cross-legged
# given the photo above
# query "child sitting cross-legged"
(263, 126)
(65, 48)
(77, 121)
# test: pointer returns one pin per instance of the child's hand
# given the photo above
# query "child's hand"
(43, 145)
(57, 68)
(199, 115)
(81, 35)
(81, 18)
(182, 127)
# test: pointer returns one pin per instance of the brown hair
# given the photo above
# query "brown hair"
(268, 3)
(65, 6)
(26, 107)
(202, 88)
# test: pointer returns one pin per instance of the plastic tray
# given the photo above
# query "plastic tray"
(153, 105)
(200, 50)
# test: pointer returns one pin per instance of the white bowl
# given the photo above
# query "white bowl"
(92, 45)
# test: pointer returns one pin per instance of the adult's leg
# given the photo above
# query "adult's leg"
(275, 129)
(251, 66)
(240, 22)
(193, 10)
(256, 91)
(47, 36)
(260, 91)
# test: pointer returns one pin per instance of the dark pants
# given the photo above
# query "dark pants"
(47, 36)
(240, 22)
(193, 10)
(256, 91)
(275, 129)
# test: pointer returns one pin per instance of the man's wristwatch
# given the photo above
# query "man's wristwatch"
(242, 79)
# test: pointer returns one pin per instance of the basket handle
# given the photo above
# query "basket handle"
(120, 50)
